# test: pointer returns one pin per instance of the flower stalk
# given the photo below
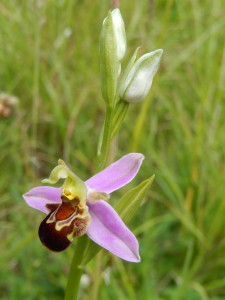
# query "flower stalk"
(76, 270)
(106, 139)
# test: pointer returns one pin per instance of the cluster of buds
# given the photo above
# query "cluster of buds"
(133, 84)
(7, 104)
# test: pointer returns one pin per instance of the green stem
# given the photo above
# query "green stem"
(119, 115)
(106, 139)
(76, 270)
(97, 276)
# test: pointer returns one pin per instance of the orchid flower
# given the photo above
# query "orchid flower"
(81, 207)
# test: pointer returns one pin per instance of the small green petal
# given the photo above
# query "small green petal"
(72, 187)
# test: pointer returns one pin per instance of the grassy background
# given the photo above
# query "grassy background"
(49, 60)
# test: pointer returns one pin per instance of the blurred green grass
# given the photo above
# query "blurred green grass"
(49, 60)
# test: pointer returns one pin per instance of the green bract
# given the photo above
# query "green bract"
(138, 81)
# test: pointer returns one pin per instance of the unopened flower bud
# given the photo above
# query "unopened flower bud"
(120, 34)
(139, 79)
(112, 50)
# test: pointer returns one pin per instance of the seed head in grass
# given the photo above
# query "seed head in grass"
(8, 104)
(81, 207)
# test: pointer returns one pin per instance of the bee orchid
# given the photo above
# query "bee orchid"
(80, 207)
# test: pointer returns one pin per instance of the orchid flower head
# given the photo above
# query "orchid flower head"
(80, 207)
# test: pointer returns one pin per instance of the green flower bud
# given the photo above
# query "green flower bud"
(139, 79)
(120, 33)
(112, 50)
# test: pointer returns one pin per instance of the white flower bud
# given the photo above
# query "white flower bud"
(120, 34)
(112, 50)
(139, 79)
